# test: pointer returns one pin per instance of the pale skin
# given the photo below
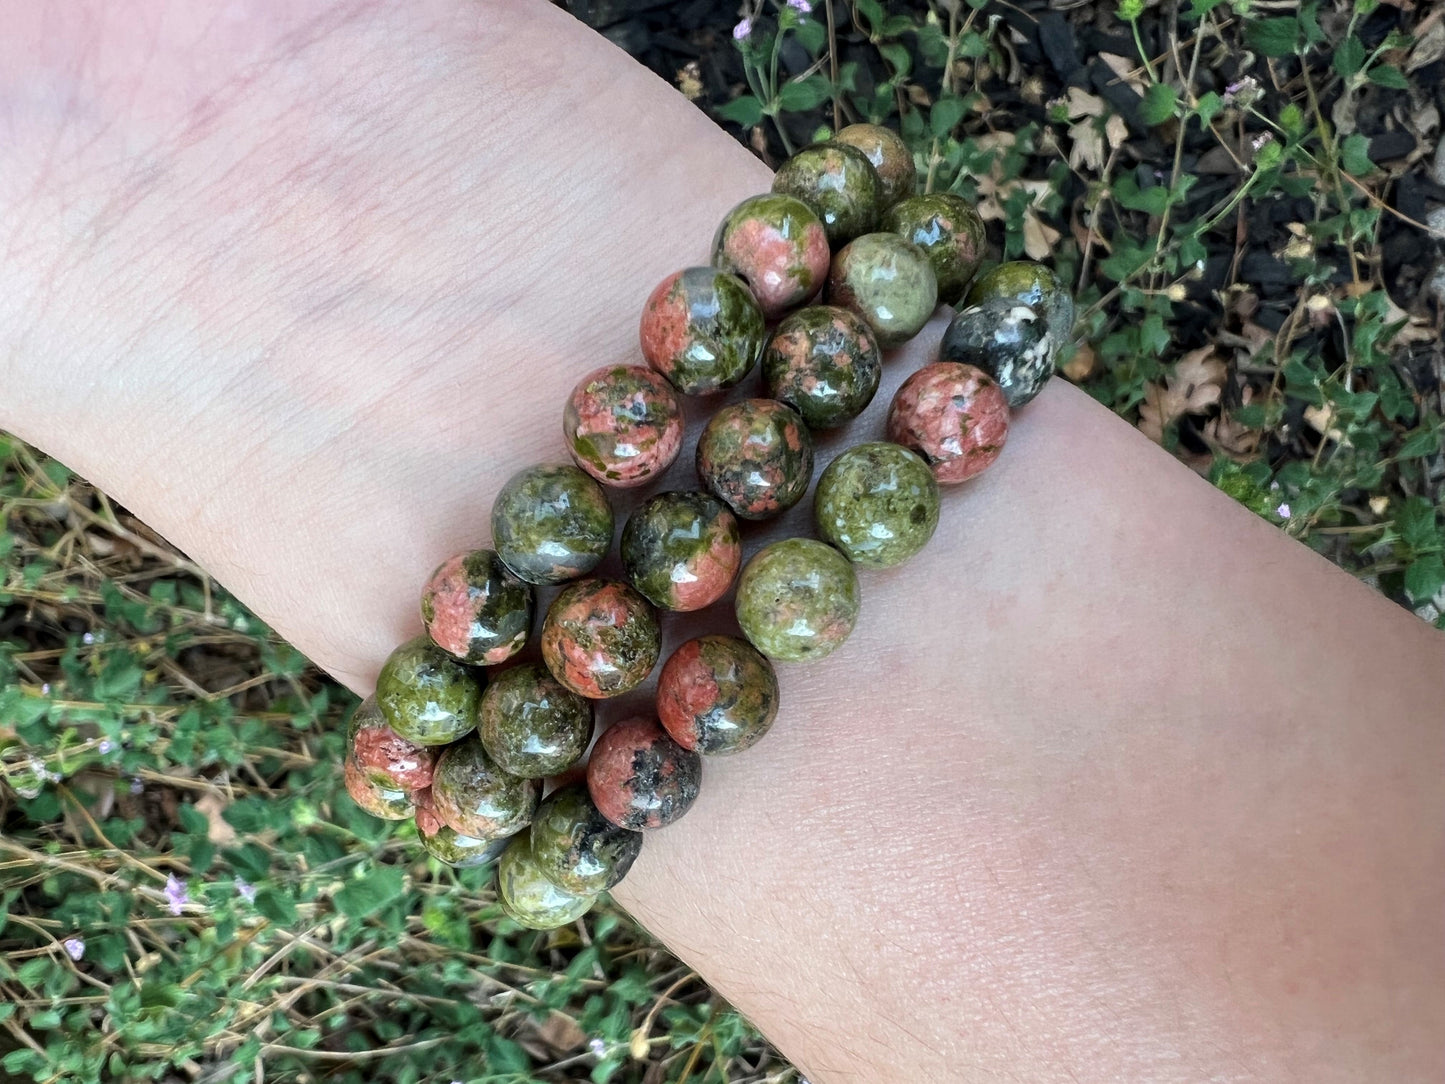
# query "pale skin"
(1113, 782)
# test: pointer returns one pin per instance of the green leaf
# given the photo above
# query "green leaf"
(1355, 155)
(1273, 37)
(945, 115)
(804, 94)
(1210, 106)
(1387, 75)
(361, 898)
(1349, 56)
(746, 111)
(279, 907)
(1424, 441)
(898, 56)
(1425, 577)
(1159, 102)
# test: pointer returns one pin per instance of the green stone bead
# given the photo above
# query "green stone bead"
(890, 156)
(682, 550)
(531, 724)
(1036, 286)
(825, 363)
(950, 233)
(551, 524)
(471, 793)
(449, 846)
(756, 456)
(878, 503)
(887, 281)
(797, 600)
(702, 329)
(840, 185)
(576, 847)
(717, 695)
(426, 695)
(528, 898)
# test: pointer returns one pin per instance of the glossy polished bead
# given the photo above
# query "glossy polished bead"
(640, 778)
(823, 362)
(476, 609)
(374, 796)
(702, 329)
(777, 245)
(1036, 286)
(717, 695)
(383, 771)
(425, 695)
(890, 156)
(623, 424)
(682, 551)
(756, 457)
(841, 186)
(797, 600)
(531, 724)
(528, 898)
(474, 796)
(1008, 340)
(950, 233)
(576, 847)
(447, 845)
(887, 281)
(551, 524)
(600, 638)
(877, 503)
(952, 415)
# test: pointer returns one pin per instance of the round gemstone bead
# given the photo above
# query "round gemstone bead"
(840, 185)
(878, 503)
(682, 550)
(600, 638)
(887, 281)
(446, 844)
(1008, 340)
(797, 600)
(717, 695)
(384, 755)
(756, 457)
(952, 415)
(623, 424)
(702, 329)
(825, 363)
(374, 796)
(473, 795)
(777, 245)
(425, 695)
(528, 898)
(640, 778)
(949, 232)
(531, 724)
(476, 609)
(576, 847)
(551, 524)
(890, 156)
(1036, 286)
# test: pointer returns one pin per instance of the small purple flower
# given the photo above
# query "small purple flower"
(88, 638)
(136, 786)
(598, 1046)
(74, 947)
(1282, 511)
(245, 890)
(176, 895)
(105, 747)
(801, 6)
(1260, 140)
(45, 689)
(743, 29)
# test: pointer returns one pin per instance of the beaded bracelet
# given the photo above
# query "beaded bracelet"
(464, 750)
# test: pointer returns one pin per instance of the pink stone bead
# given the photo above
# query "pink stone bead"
(623, 424)
(952, 415)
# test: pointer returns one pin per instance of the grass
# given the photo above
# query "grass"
(187, 895)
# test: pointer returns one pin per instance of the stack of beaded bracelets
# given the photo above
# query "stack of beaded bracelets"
(465, 750)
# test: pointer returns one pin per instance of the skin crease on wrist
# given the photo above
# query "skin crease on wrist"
(1113, 782)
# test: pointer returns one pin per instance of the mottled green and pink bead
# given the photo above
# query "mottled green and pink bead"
(778, 246)
(384, 772)
(823, 362)
(551, 523)
(600, 638)
(528, 897)
(954, 416)
(798, 600)
(702, 329)
(840, 185)
(887, 281)
(476, 609)
(640, 778)
(877, 503)
(682, 551)
(889, 155)
(717, 695)
(623, 424)
(756, 456)
(427, 696)
(473, 795)
(447, 845)
(531, 724)
(950, 233)
(576, 847)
